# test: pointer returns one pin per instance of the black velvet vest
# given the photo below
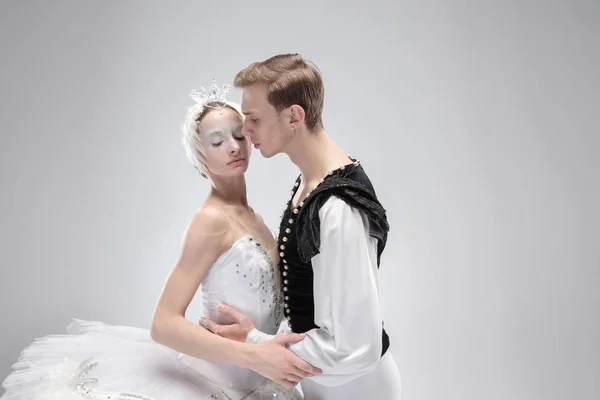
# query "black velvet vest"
(299, 239)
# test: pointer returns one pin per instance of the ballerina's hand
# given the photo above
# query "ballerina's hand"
(238, 331)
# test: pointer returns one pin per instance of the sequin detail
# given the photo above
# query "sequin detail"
(271, 278)
(81, 384)
(268, 391)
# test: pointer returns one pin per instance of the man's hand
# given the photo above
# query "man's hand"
(238, 331)
(274, 361)
(271, 359)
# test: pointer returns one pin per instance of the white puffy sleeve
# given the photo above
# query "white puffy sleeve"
(348, 342)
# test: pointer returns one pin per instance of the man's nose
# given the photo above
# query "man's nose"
(245, 130)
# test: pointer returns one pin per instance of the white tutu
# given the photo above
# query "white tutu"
(99, 361)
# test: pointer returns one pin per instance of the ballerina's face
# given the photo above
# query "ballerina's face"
(226, 150)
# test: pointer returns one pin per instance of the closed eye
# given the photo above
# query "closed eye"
(217, 144)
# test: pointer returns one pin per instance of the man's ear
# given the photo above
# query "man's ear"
(297, 116)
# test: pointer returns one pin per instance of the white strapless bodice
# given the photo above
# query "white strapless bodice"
(244, 278)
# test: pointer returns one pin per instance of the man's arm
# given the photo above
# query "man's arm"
(348, 342)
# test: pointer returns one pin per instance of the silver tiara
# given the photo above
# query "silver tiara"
(213, 93)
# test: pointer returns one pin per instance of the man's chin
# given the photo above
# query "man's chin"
(265, 154)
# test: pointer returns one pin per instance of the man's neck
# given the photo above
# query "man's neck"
(315, 154)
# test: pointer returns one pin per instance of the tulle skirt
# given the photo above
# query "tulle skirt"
(99, 361)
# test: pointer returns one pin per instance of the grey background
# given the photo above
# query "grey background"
(477, 121)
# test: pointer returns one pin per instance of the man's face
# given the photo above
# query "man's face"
(264, 126)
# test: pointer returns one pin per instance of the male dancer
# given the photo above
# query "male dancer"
(331, 238)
